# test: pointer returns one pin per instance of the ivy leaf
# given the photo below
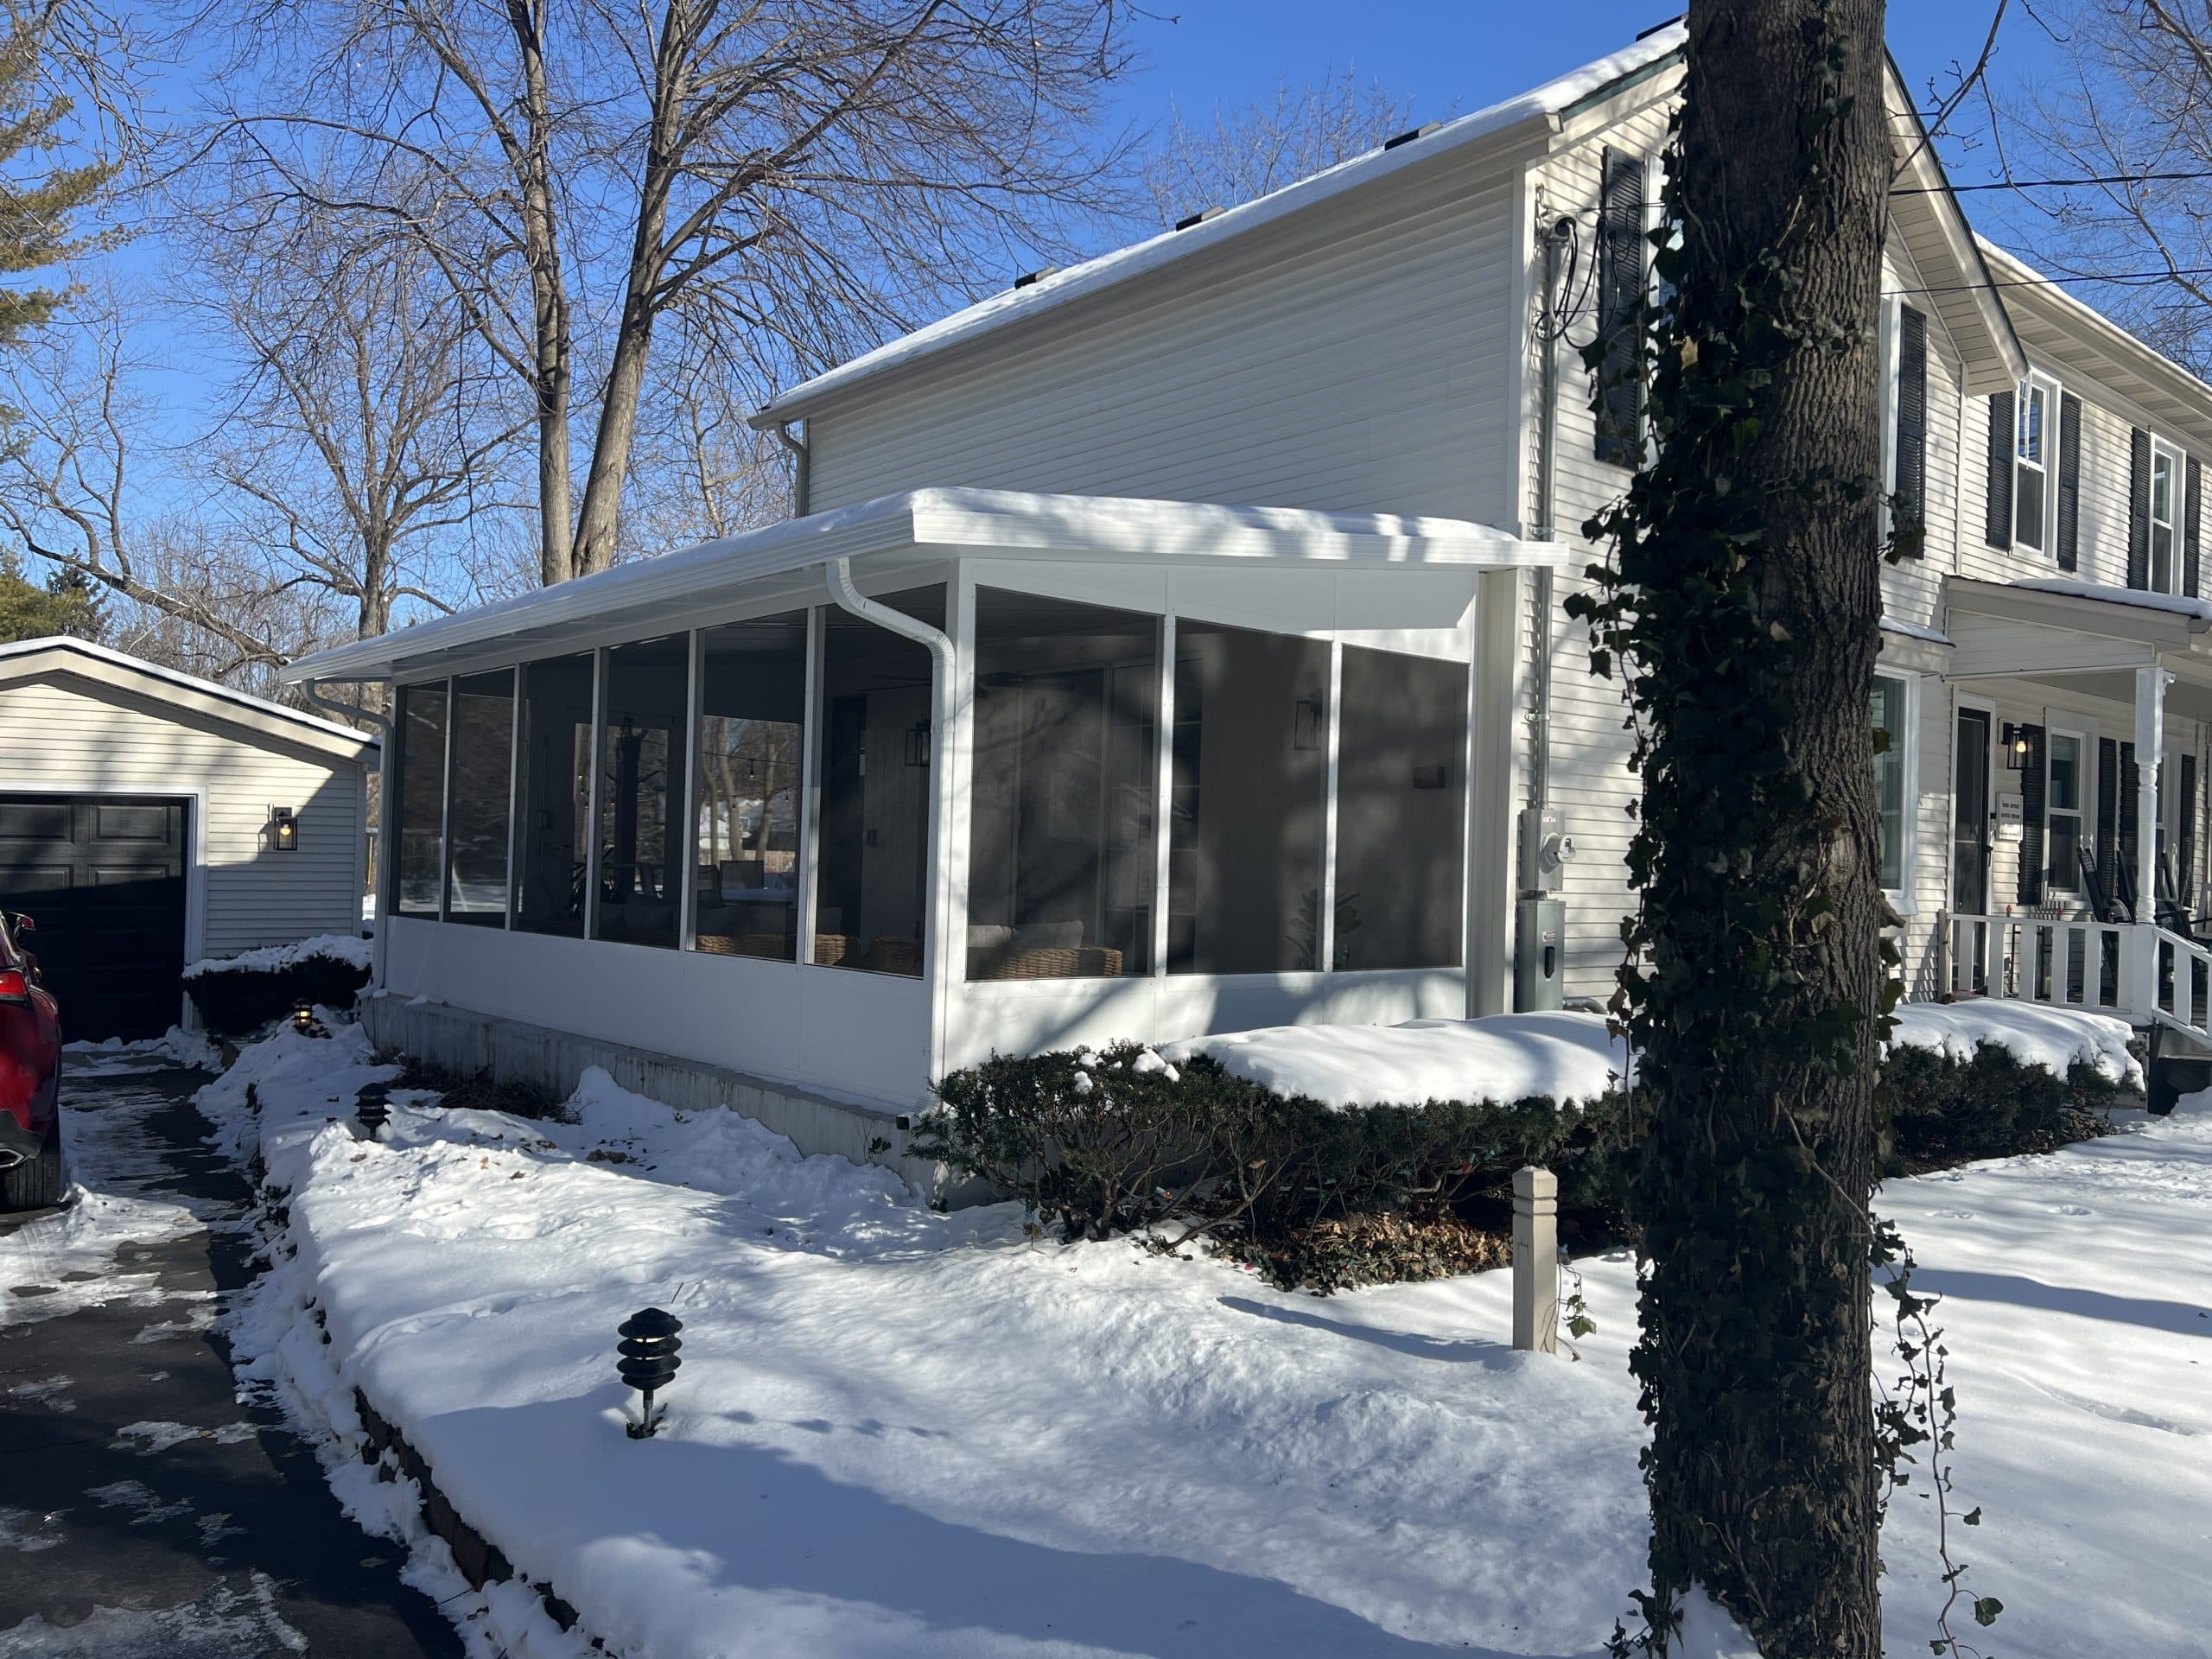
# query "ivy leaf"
(1971, 1517)
(1985, 1609)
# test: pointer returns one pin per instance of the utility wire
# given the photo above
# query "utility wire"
(2044, 184)
(2139, 279)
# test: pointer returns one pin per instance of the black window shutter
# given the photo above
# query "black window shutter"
(2069, 482)
(2192, 520)
(2124, 876)
(2108, 815)
(1621, 245)
(2032, 817)
(1997, 530)
(2184, 868)
(2139, 508)
(1909, 508)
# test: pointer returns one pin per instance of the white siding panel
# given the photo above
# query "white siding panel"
(64, 734)
(1360, 361)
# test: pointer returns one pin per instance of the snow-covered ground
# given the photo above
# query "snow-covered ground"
(898, 1432)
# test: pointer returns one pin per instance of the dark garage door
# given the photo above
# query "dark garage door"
(103, 876)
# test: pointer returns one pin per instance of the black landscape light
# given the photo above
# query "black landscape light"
(370, 1108)
(649, 1361)
(303, 1018)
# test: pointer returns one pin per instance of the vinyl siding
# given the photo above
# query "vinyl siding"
(60, 734)
(1356, 357)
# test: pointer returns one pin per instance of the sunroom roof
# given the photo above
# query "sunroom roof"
(935, 523)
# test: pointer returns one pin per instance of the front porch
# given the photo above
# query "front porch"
(2080, 715)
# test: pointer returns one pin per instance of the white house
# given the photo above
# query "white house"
(140, 826)
(1030, 729)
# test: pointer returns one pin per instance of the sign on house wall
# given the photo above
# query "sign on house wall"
(2012, 818)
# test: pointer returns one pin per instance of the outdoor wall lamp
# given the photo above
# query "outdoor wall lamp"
(918, 743)
(649, 1361)
(284, 830)
(2015, 739)
(303, 1018)
(1308, 724)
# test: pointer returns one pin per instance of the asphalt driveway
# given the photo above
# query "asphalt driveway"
(145, 1510)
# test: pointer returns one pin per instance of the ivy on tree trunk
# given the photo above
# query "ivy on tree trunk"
(1740, 605)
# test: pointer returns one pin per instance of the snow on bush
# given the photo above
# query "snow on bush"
(271, 958)
(2055, 1039)
(237, 996)
(1570, 1057)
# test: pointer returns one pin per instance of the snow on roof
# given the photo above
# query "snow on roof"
(1554, 98)
(129, 663)
(2174, 604)
(1108, 527)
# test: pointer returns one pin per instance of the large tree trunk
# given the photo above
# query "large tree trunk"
(1747, 607)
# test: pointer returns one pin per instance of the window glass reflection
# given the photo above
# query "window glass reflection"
(1061, 860)
(874, 754)
(554, 753)
(641, 830)
(751, 715)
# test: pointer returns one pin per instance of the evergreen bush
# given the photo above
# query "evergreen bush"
(238, 1001)
(1101, 1144)
(1937, 1112)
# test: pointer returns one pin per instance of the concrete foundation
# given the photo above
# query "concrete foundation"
(508, 1051)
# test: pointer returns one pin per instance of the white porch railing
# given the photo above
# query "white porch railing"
(2147, 973)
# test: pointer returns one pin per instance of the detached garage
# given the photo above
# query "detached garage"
(148, 819)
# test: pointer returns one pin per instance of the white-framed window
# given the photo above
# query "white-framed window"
(2166, 475)
(2066, 786)
(2035, 463)
(1896, 712)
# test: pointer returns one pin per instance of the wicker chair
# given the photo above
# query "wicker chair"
(1074, 961)
(890, 954)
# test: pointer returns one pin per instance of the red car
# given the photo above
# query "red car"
(30, 1078)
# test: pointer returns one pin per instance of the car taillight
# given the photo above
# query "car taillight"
(14, 987)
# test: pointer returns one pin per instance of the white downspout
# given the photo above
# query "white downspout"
(937, 956)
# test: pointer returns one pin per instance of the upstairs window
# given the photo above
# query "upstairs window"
(2165, 517)
(2034, 452)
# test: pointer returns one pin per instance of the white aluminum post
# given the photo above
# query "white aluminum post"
(1163, 789)
(810, 784)
(1325, 925)
(687, 897)
(2150, 745)
(1536, 1260)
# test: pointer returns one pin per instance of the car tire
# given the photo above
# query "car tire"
(37, 1183)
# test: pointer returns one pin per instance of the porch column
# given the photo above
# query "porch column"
(2139, 994)
(2150, 747)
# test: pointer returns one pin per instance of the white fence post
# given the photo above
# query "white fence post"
(1536, 1260)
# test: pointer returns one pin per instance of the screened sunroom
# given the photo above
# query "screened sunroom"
(864, 797)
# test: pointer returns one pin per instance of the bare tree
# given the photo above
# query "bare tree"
(1247, 151)
(80, 444)
(797, 176)
(2129, 112)
(366, 435)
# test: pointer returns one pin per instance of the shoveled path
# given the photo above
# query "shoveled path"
(208, 1532)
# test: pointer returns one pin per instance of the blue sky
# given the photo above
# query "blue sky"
(1477, 52)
